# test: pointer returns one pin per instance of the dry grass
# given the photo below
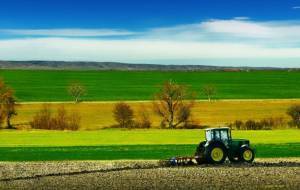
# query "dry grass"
(96, 115)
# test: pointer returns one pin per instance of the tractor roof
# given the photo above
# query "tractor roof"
(220, 128)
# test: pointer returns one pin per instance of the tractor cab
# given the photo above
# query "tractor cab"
(218, 134)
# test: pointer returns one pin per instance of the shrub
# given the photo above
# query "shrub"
(192, 123)
(264, 124)
(238, 124)
(272, 123)
(61, 121)
(193, 126)
(74, 121)
(43, 119)
(123, 114)
(294, 113)
(250, 125)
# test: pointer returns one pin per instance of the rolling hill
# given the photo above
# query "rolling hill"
(62, 65)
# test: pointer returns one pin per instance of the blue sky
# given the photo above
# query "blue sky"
(210, 32)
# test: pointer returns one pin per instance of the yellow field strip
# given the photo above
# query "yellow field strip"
(96, 115)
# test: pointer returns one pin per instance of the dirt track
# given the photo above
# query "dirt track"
(264, 174)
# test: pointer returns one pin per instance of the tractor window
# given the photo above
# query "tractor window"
(217, 135)
(224, 135)
(208, 135)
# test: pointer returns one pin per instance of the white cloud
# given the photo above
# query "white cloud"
(238, 38)
(270, 30)
(296, 7)
(245, 32)
(231, 30)
(238, 28)
(66, 32)
(132, 50)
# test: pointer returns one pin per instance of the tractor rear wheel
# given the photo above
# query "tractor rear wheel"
(216, 153)
(247, 155)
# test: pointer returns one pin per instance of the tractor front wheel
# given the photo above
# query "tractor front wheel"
(247, 155)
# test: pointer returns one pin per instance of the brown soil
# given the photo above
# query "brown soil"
(263, 174)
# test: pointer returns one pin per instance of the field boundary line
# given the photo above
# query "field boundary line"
(149, 101)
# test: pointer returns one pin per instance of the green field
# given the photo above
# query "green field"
(131, 144)
(140, 85)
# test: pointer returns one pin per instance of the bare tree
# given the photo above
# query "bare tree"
(76, 90)
(123, 114)
(209, 91)
(7, 104)
(143, 118)
(172, 105)
(184, 113)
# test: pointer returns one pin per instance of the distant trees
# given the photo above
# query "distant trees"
(7, 104)
(62, 120)
(172, 104)
(76, 91)
(294, 113)
(263, 124)
(209, 91)
(123, 114)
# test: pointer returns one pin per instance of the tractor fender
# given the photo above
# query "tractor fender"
(202, 144)
(247, 146)
(200, 147)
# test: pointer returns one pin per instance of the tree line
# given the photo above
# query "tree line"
(173, 103)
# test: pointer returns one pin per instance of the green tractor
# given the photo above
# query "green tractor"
(219, 145)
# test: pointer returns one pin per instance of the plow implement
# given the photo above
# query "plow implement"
(182, 161)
